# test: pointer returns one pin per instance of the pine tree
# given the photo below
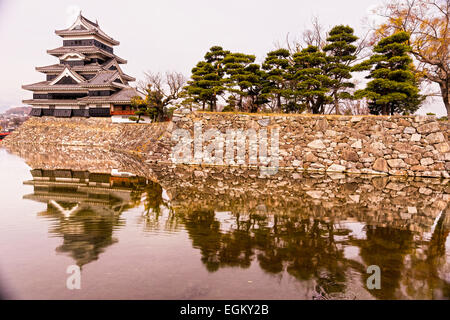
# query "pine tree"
(156, 106)
(340, 54)
(141, 108)
(215, 56)
(393, 88)
(242, 77)
(207, 82)
(276, 66)
(312, 81)
(257, 91)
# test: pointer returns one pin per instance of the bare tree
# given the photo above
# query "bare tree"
(428, 23)
(355, 107)
(161, 92)
(363, 47)
(168, 85)
(316, 35)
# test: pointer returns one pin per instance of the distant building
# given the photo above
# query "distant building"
(88, 80)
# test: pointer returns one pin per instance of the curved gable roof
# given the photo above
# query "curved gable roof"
(113, 63)
(67, 72)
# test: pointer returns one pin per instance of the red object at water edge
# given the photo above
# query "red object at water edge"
(3, 135)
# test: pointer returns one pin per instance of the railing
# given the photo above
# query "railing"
(122, 113)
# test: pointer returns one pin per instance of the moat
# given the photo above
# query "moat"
(142, 231)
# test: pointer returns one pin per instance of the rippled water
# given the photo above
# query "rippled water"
(204, 233)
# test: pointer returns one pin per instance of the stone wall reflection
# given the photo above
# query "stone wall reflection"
(401, 202)
(78, 158)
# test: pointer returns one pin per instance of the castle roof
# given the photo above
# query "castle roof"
(122, 96)
(83, 50)
(111, 64)
(103, 77)
(60, 67)
(46, 86)
(51, 101)
(83, 26)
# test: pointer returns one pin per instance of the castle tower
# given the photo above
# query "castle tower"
(88, 80)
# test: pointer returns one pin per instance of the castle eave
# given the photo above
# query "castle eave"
(38, 87)
(49, 101)
(107, 85)
(94, 67)
(87, 101)
(69, 33)
(57, 52)
(128, 78)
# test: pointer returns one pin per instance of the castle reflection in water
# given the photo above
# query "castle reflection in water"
(85, 207)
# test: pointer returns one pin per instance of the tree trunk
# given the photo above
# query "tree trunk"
(336, 105)
(278, 102)
(254, 108)
(447, 105)
(445, 90)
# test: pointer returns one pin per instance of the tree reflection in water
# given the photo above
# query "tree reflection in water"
(303, 246)
(306, 249)
(408, 263)
(310, 249)
(386, 247)
(154, 205)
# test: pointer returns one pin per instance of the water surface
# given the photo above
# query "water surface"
(214, 233)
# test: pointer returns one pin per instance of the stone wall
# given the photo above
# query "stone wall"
(92, 132)
(387, 145)
(394, 145)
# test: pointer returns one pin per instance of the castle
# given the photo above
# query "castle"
(88, 80)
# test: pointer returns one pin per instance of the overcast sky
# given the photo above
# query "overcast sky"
(161, 35)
